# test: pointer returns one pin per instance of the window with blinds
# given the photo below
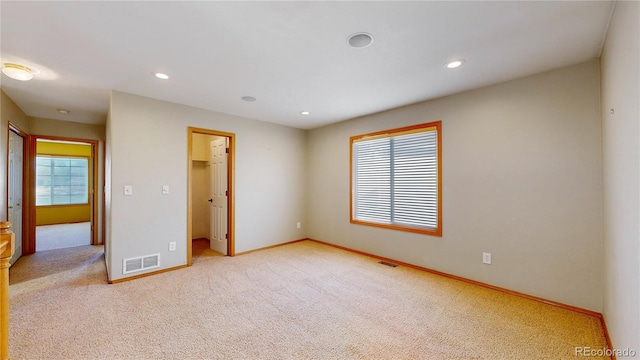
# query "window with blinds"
(395, 179)
(61, 180)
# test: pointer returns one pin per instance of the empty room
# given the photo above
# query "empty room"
(320, 180)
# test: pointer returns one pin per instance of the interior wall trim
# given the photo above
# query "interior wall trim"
(146, 274)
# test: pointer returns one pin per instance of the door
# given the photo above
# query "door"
(218, 197)
(15, 172)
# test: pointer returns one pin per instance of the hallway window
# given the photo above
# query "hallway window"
(62, 180)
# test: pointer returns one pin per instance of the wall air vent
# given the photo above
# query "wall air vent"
(140, 263)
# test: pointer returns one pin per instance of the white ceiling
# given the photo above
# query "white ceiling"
(291, 56)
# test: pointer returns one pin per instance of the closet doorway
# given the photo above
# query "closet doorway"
(210, 210)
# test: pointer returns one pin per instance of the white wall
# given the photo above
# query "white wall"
(51, 127)
(521, 179)
(621, 156)
(148, 145)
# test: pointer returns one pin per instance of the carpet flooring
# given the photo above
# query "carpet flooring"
(51, 237)
(201, 251)
(299, 301)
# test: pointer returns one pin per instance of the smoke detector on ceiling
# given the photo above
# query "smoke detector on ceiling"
(360, 40)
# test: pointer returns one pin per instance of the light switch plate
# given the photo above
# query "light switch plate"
(165, 189)
(128, 190)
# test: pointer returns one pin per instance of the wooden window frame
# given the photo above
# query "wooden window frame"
(390, 133)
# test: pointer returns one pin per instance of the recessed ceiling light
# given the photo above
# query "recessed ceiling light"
(17, 72)
(304, 113)
(455, 64)
(63, 111)
(360, 40)
(249, 98)
(162, 76)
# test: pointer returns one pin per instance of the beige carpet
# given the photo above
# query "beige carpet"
(300, 301)
(51, 237)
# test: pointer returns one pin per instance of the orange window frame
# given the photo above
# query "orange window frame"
(437, 126)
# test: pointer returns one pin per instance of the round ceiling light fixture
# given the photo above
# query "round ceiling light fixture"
(249, 98)
(360, 40)
(17, 72)
(162, 76)
(63, 111)
(305, 113)
(455, 64)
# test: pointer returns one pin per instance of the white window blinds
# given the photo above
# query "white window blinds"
(61, 180)
(395, 179)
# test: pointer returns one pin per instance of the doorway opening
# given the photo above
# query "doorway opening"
(64, 185)
(210, 194)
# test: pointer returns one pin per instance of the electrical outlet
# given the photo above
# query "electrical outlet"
(298, 225)
(128, 190)
(486, 258)
(172, 246)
